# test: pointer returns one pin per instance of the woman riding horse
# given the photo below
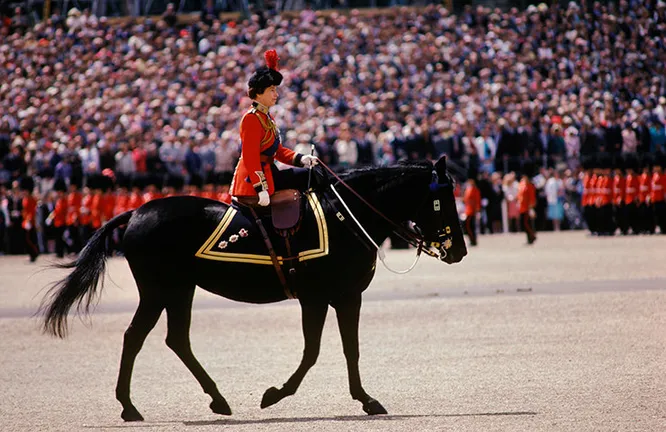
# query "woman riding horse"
(256, 174)
(175, 244)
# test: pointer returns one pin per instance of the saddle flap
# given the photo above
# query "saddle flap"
(285, 208)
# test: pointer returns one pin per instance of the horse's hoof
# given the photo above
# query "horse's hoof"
(372, 407)
(131, 414)
(271, 397)
(220, 407)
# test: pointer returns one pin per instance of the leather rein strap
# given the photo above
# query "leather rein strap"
(271, 252)
(410, 237)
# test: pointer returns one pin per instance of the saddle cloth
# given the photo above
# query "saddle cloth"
(237, 238)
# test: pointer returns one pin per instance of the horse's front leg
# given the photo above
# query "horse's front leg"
(313, 318)
(348, 312)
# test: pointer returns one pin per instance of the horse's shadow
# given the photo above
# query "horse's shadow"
(288, 420)
(279, 420)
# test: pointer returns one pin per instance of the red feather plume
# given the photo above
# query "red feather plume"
(271, 59)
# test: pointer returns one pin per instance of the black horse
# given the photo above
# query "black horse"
(174, 244)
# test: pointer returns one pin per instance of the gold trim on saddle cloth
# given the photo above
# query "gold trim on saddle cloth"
(206, 252)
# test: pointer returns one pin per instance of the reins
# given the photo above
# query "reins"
(413, 238)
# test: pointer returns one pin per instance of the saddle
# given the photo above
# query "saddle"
(285, 209)
(286, 213)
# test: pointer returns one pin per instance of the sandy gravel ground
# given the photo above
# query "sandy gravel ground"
(568, 335)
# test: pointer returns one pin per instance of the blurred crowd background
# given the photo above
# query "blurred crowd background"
(156, 102)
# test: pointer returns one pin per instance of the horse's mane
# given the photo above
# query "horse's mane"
(388, 177)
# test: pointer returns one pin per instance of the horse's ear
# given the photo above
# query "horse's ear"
(440, 167)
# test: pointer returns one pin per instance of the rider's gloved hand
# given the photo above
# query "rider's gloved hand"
(264, 198)
(309, 161)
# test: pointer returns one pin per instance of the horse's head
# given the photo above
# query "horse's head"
(437, 220)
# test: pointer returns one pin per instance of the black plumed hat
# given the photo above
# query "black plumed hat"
(268, 75)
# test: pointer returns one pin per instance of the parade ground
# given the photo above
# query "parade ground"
(566, 335)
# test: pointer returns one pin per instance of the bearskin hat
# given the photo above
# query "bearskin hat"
(660, 159)
(604, 161)
(27, 183)
(196, 181)
(175, 181)
(123, 181)
(138, 181)
(647, 160)
(631, 161)
(76, 180)
(528, 169)
(268, 75)
(60, 185)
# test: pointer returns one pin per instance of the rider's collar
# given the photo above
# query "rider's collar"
(260, 107)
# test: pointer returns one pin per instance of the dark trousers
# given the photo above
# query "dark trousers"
(470, 227)
(647, 218)
(526, 223)
(607, 224)
(633, 218)
(31, 243)
(621, 218)
(59, 233)
(660, 215)
(73, 236)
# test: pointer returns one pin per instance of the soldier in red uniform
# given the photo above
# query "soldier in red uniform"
(527, 202)
(618, 197)
(256, 174)
(645, 213)
(109, 195)
(73, 210)
(631, 192)
(97, 202)
(85, 211)
(29, 217)
(658, 187)
(222, 188)
(472, 201)
(604, 200)
(153, 188)
(59, 217)
(122, 196)
(174, 185)
(209, 188)
(136, 196)
(586, 199)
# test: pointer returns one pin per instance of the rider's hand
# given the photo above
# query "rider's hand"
(264, 198)
(309, 161)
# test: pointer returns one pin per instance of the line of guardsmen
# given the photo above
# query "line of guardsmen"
(78, 211)
(625, 192)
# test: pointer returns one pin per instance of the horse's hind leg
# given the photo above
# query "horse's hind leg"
(179, 313)
(348, 311)
(144, 320)
(313, 318)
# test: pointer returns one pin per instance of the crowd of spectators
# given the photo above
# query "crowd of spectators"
(487, 87)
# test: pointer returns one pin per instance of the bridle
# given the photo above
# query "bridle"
(436, 249)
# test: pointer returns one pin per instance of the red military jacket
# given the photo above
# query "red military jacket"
(472, 200)
(97, 210)
(526, 196)
(260, 145)
(589, 189)
(631, 189)
(604, 190)
(122, 203)
(657, 190)
(644, 183)
(224, 197)
(28, 212)
(618, 190)
(149, 196)
(85, 210)
(109, 204)
(73, 207)
(60, 212)
(135, 201)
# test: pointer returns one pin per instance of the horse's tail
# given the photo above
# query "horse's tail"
(81, 285)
